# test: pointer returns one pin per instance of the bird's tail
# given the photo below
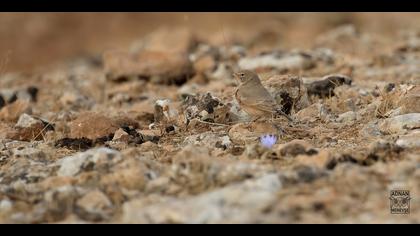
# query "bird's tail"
(280, 112)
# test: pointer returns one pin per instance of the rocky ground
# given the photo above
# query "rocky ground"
(152, 133)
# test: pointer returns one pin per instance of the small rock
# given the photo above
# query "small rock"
(121, 136)
(129, 174)
(206, 107)
(205, 63)
(161, 67)
(288, 91)
(308, 172)
(2, 102)
(33, 93)
(139, 137)
(12, 111)
(55, 182)
(319, 160)
(75, 143)
(31, 153)
(296, 147)
(347, 117)
(94, 206)
(325, 87)
(92, 126)
(223, 72)
(371, 129)
(224, 143)
(164, 111)
(400, 124)
(76, 101)
(411, 140)
(73, 165)
(171, 129)
(149, 146)
(332, 38)
(59, 202)
(165, 39)
(394, 112)
(27, 121)
(209, 139)
(311, 113)
(279, 61)
(410, 102)
(29, 128)
(5, 205)
(381, 150)
(233, 203)
(126, 121)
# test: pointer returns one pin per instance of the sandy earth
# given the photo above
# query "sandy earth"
(131, 118)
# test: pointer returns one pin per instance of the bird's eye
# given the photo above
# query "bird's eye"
(242, 74)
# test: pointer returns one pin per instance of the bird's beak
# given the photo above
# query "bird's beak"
(236, 76)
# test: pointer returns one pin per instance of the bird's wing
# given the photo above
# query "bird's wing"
(257, 96)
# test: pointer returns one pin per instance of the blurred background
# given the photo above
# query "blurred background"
(33, 40)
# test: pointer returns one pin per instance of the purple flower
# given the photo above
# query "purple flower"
(268, 140)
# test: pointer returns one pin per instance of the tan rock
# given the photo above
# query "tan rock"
(319, 160)
(121, 136)
(287, 61)
(148, 146)
(13, 111)
(125, 120)
(411, 140)
(164, 39)
(129, 174)
(5, 129)
(164, 67)
(27, 128)
(294, 148)
(54, 182)
(400, 124)
(410, 103)
(311, 113)
(94, 201)
(92, 126)
(205, 63)
(288, 91)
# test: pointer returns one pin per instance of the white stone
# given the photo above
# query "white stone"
(94, 202)
(347, 117)
(70, 166)
(5, 205)
(411, 140)
(289, 61)
(27, 121)
(400, 124)
(238, 203)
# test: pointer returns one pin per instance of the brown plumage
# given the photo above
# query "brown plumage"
(254, 98)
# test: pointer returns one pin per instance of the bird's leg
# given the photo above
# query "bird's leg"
(281, 131)
(280, 112)
(272, 117)
(256, 119)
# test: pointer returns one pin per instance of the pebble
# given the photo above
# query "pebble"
(13, 111)
(400, 124)
(73, 165)
(235, 203)
(92, 126)
(279, 61)
(411, 140)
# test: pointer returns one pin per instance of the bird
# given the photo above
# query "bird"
(254, 98)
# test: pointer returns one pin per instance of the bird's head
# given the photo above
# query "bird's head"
(245, 75)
